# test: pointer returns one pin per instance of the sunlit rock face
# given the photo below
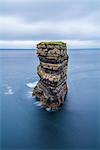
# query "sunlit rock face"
(52, 70)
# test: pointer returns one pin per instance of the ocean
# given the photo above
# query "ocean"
(24, 125)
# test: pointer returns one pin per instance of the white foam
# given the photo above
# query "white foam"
(37, 103)
(31, 85)
(29, 94)
(48, 109)
(9, 87)
(9, 91)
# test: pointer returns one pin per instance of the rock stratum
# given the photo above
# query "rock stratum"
(52, 70)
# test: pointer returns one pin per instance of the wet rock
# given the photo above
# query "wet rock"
(52, 70)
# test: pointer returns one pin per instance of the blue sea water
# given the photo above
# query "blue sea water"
(25, 126)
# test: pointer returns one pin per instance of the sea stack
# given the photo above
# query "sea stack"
(52, 70)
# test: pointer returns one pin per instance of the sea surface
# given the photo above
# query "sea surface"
(24, 125)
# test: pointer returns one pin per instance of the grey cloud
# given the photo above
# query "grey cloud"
(32, 10)
(47, 34)
(80, 12)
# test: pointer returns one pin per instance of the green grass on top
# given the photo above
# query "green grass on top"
(52, 42)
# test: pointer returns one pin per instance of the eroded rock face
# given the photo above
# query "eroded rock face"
(52, 70)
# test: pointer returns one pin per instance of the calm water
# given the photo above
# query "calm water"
(25, 126)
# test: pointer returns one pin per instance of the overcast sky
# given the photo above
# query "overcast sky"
(23, 23)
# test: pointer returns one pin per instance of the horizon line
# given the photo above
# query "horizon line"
(35, 48)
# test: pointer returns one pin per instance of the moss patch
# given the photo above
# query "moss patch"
(52, 42)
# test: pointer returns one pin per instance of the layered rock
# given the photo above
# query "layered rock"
(52, 70)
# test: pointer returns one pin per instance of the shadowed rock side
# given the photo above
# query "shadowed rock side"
(52, 70)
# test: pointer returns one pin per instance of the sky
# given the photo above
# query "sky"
(24, 23)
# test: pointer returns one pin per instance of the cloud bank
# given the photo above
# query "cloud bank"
(25, 22)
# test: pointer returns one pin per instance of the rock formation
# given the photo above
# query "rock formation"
(52, 70)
